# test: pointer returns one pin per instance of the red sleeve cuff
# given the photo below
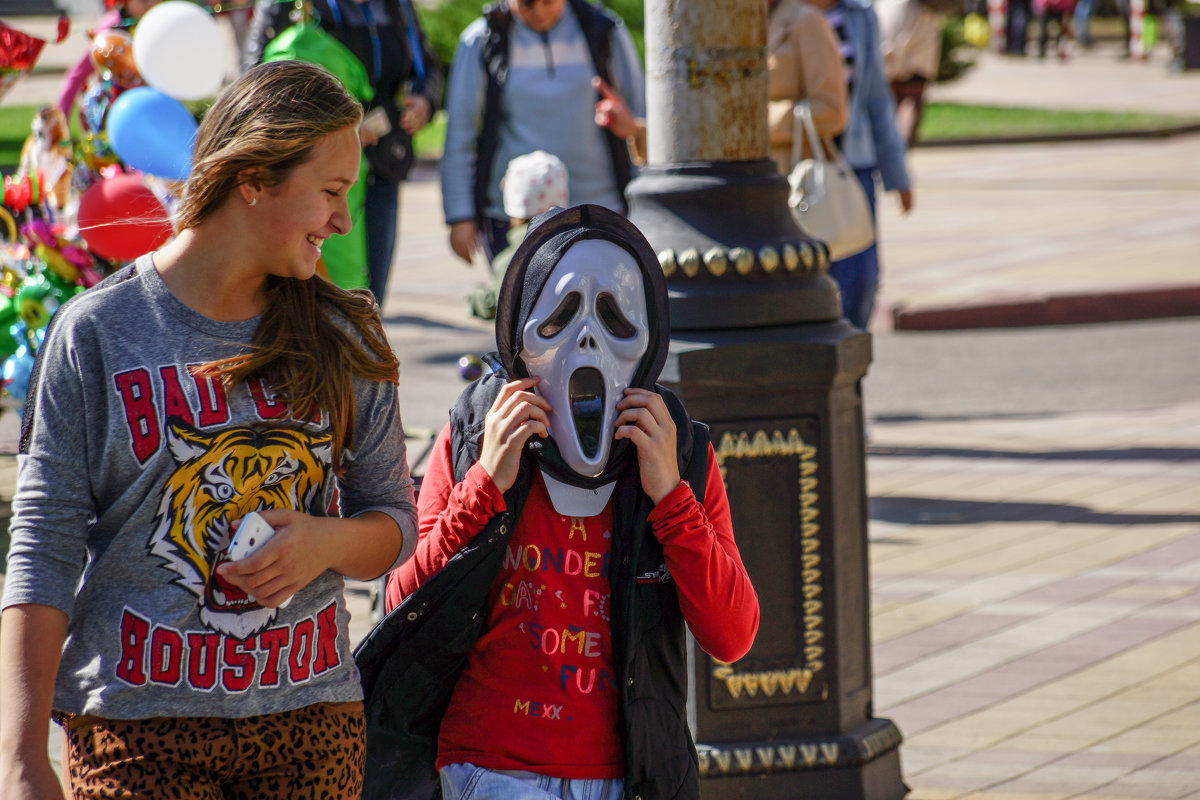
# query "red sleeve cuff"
(674, 504)
(487, 499)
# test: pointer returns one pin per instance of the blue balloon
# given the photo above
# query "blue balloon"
(152, 132)
(17, 370)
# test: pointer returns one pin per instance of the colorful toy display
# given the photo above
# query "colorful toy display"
(77, 208)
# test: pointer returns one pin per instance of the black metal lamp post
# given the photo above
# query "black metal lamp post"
(760, 352)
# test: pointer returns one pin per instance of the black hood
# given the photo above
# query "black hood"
(550, 235)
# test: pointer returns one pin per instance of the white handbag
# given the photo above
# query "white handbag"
(826, 198)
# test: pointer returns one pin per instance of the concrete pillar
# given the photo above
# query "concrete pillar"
(705, 92)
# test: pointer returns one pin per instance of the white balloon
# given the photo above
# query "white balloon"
(179, 49)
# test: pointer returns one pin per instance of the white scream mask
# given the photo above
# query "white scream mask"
(585, 336)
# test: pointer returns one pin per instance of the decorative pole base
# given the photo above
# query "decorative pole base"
(732, 254)
(862, 763)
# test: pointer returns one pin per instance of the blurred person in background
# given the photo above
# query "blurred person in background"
(406, 77)
(871, 143)
(533, 183)
(524, 79)
(803, 65)
(1060, 12)
(1085, 9)
(910, 38)
(1016, 25)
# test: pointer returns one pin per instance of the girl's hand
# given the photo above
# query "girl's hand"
(645, 421)
(289, 561)
(516, 414)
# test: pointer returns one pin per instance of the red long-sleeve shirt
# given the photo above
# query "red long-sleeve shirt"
(539, 689)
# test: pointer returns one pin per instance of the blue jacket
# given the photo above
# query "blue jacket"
(871, 138)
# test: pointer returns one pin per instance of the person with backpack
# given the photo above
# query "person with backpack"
(524, 79)
(405, 83)
(572, 521)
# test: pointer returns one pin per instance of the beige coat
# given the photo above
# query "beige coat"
(910, 37)
(803, 63)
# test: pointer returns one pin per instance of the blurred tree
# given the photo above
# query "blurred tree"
(444, 20)
(956, 56)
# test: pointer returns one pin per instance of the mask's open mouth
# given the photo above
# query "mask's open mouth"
(585, 391)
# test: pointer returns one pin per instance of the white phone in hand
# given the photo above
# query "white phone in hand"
(252, 534)
(376, 123)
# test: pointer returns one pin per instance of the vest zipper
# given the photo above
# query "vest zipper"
(549, 52)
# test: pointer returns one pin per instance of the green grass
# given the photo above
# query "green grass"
(954, 121)
(15, 128)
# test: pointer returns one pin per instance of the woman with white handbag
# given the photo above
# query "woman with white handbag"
(870, 143)
(803, 66)
(807, 108)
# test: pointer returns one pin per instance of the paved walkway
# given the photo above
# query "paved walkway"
(1035, 580)
(1090, 80)
(1036, 603)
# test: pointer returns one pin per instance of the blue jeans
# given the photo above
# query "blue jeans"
(382, 206)
(857, 276)
(469, 782)
(1083, 18)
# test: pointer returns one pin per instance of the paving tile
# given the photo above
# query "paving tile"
(1188, 759)
(894, 653)
(1152, 784)
(927, 793)
(970, 659)
(1102, 756)
(915, 759)
(1021, 675)
(1069, 589)
(970, 776)
(1115, 719)
(1186, 548)
(1064, 781)
(1113, 548)
(1173, 732)
(952, 602)
(957, 543)
(1023, 712)
(1065, 544)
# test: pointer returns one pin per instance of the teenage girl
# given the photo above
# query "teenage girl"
(212, 378)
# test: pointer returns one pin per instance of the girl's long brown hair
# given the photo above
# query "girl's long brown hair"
(261, 128)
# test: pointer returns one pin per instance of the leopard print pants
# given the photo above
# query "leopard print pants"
(315, 752)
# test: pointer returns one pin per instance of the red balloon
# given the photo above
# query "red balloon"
(120, 218)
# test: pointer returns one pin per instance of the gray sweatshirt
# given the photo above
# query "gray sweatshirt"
(129, 478)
